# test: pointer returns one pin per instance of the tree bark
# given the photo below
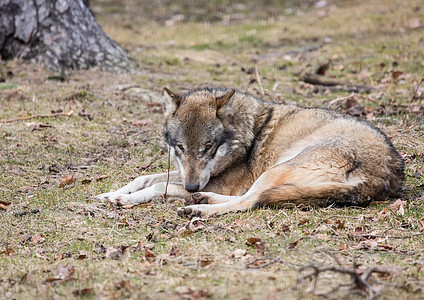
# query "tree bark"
(59, 34)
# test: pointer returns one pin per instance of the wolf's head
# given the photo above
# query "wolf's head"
(198, 128)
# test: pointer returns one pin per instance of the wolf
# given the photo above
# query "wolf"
(234, 152)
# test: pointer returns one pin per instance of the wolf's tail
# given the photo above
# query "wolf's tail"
(319, 195)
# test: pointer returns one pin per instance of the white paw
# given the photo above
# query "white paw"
(129, 200)
(108, 197)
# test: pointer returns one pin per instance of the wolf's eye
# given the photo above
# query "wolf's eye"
(208, 146)
(180, 147)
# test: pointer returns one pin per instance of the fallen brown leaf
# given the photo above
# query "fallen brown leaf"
(205, 260)
(83, 292)
(252, 241)
(414, 23)
(149, 255)
(82, 254)
(8, 251)
(140, 123)
(116, 254)
(4, 205)
(175, 251)
(38, 239)
(238, 253)
(66, 181)
(343, 247)
(396, 74)
(292, 245)
(63, 273)
(398, 207)
(26, 188)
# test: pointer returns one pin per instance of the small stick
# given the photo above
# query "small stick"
(38, 116)
(398, 237)
(333, 101)
(258, 79)
(416, 89)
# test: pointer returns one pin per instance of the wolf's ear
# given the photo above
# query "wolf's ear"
(220, 101)
(173, 101)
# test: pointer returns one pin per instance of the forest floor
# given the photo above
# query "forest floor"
(103, 130)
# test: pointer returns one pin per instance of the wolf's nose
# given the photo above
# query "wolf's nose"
(190, 187)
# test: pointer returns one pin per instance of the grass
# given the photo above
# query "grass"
(60, 243)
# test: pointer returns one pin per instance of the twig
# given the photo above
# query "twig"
(365, 235)
(68, 114)
(332, 102)
(258, 79)
(360, 281)
(316, 79)
(270, 260)
(416, 89)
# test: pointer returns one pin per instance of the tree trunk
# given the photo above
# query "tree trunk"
(59, 34)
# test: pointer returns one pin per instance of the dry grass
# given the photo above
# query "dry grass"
(57, 242)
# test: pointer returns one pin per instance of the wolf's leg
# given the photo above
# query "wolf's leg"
(140, 183)
(173, 191)
(210, 198)
(304, 182)
(220, 204)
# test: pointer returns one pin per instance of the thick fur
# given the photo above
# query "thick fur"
(235, 152)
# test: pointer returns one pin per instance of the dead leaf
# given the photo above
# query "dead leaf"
(83, 292)
(398, 207)
(116, 254)
(259, 245)
(26, 188)
(82, 254)
(303, 221)
(292, 245)
(37, 126)
(396, 74)
(384, 213)
(260, 248)
(238, 253)
(175, 251)
(4, 205)
(87, 180)
(343, 247)
(190, 293)
(63, 273)
(414, 23)
(66, 181)
(360, 229)
(205, 260)
(322, 236)
(63, 255)
(196, 224)
(339, 224)
(100, 178)
(154, 104)
(38, 239)
(8, 251)
(252, 241)
(96, 179)
(149, 255)
(140, 123)
(100, 248)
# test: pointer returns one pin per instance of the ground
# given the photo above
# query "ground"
(102, 130)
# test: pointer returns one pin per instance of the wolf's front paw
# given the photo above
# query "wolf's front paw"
(193, 211)
(107, 197)
(196, 198)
